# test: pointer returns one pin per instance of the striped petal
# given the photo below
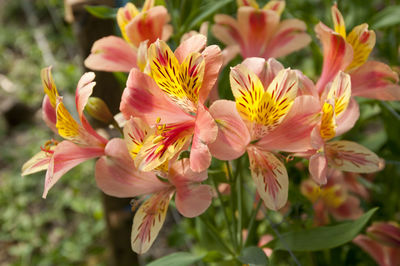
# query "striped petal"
(135, 131)
(352, 157)
(111, 54)
(363, 41)
(270, 177)
(148, 221)
(49, 86)
(163, 145)
(340, 92)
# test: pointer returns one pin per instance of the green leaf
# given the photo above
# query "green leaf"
(206, 11)
(324, 237)
(254, 256)
(104, 12)
(177, 259)
(386, 17)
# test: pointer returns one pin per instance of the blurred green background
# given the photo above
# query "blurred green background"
(68, 228)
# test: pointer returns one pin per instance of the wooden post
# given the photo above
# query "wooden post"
(87, 30)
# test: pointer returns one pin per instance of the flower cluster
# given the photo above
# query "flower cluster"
(171, 128)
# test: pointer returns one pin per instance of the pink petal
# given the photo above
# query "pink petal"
(346, 120)
(111, 54)
(66, 156)
(82, 94)
(193, 200)
(306, 85)
(148, 221)
(266, 70)
(294, 133)
(375, 80)
(270, 177)
(386, 233)
(143, 98)
(318, 168)
(148, 25)
(290, 36)
(338, 54)
(194, 44)
(213, 62)
(374, 249)
(348, 210)
(49, 114)
(205, 132)
(117, 176)
(257, 28)
(233, 135)
(226, 29)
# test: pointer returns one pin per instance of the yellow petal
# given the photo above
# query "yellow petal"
(247, 90)
(363, 41)
(147, 5)
(148, 221)
(277, 6)
(49, 86)
(165, 70)
(328, 121)
(67, 126)
(124, 16)
(252, 3)
(191, 75)
(340, 92)
(135, 131)
(278, 99)
(338, 21)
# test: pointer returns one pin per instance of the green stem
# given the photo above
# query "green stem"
(251, 228)
(239, 189)
(115, 124)
(215, 233)
(223, 210)
(232, 203)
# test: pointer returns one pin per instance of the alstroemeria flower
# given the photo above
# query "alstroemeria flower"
(382, 243)
(259, 32)
(338, 115)
(121, 54)
(81, 142)
(349, 53)
(171, 100)
(117, 176)
(334, 198)
(267, 116)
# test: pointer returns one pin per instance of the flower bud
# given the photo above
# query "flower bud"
(98, 109)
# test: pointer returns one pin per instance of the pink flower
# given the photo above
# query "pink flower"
(267, 116)
(171, 101)
(335, 198)
(382, 243)
(259, 32)
(117, 176)
(338, 115)
(121, 54)
(349, 53)
(81, 142)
